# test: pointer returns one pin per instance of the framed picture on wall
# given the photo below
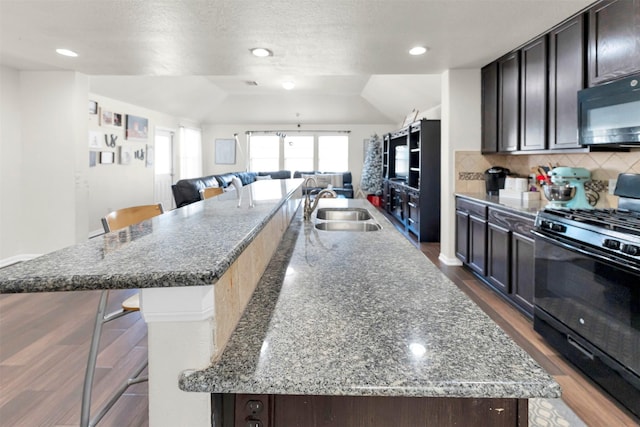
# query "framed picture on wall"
(225, 151)
(137, 128)
(93, 107)
(125, 154)
(106, 157)
(109, 118)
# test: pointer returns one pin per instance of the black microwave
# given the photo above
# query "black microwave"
(609, 114)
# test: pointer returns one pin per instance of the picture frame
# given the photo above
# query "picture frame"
(225, 151)
(125, 154)
(106, 157)
(93, 107)
(93, 158)
(137, 128)
(149, 156)
(110, 118)
(95, 139)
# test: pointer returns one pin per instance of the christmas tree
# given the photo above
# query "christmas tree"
(371, 181)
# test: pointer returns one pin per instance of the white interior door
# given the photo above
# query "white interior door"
(164, 169)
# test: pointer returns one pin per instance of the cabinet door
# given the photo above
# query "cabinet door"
(567, 62)
(386, 197)
(397, 204)
(522, 261)
(509, 102)
(413, 213)
(462, 236)
(490, 108)
(614, 43)
(478, 244)
(533, 95)
(498, 259)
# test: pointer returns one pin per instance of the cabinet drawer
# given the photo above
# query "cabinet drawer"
(512, 222)
(473, 208)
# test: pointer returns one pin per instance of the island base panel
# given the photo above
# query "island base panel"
(236, 410)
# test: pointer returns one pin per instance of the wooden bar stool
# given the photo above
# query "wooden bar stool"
(207, 193)
(113, 221)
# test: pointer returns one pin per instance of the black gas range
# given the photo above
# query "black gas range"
(587, 289)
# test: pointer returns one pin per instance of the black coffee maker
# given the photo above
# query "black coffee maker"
(494, 179)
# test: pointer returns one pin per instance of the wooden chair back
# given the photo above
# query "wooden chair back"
(207, 193)
(125, 217)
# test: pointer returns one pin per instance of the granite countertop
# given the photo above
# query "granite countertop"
(190, 246)
(365, 313)
(528, 208)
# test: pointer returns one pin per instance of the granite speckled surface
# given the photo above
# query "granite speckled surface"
(529, 208)
(190, 246)
(365, 313)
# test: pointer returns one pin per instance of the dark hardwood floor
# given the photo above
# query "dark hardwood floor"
(44, 342)
(44, 339)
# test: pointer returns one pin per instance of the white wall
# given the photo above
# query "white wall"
(461, 130)
(357, 136)
(49, 197)
(10, 163)
(51, 184)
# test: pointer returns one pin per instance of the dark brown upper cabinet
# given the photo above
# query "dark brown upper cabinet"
(567, 66)
(489, 76)
(509, 102)
(533, 95)
(614, 40)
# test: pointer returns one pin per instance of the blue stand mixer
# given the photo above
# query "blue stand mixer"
(575, 177)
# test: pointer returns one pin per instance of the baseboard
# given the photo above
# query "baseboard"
(16, 259)
(449, 261)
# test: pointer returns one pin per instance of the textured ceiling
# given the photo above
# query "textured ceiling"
(339, 52)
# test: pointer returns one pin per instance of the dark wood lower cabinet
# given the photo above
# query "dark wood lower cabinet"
(498, 246)
(242, 410)
(499, 258)
(522, 260)
(462, 236)
(478, 244)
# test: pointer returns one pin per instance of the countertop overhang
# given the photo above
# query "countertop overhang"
(365, 314)
(190, 246)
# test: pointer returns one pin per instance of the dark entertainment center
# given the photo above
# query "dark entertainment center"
(411, 171)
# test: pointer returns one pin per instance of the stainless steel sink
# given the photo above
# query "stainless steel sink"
(343, 214)
(347, 226)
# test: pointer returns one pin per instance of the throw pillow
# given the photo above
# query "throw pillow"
(336, 179)
(263, 178)
(324, 180)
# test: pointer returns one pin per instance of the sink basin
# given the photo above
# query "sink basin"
(343, 214)
(347, 226)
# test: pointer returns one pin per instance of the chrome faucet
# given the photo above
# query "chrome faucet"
(308, 206)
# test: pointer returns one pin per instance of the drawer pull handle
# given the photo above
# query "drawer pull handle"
(413, 205)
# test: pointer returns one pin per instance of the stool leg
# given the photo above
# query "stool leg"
(91, 362)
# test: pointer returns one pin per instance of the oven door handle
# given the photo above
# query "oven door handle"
(574, 248)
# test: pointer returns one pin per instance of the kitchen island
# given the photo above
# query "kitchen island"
(360, 325)
(196, 266)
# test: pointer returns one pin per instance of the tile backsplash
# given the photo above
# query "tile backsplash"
(470, 167)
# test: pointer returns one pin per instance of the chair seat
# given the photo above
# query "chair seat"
(132, 303)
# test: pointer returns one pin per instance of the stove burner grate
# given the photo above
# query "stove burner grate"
(620, 220)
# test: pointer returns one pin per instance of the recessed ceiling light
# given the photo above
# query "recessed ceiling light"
(261, 52)
(288, 85)
(66, 52)
(418, 50)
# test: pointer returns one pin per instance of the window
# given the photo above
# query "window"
(333, 153)
(264, 153)
(298, 153)
(326, 153)
(190, 153)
